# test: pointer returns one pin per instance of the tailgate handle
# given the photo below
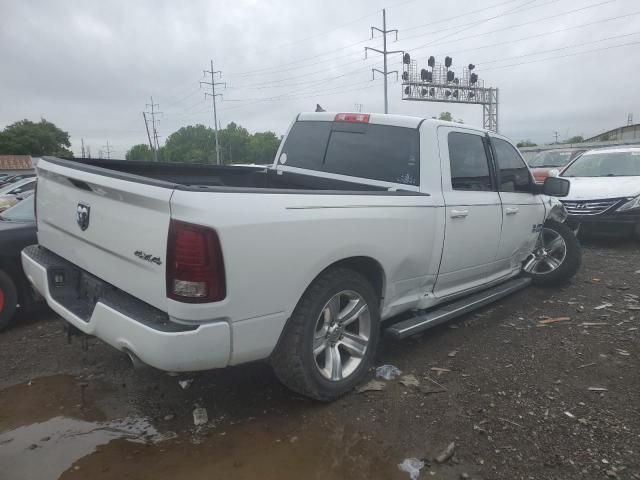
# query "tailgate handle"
(79, 184)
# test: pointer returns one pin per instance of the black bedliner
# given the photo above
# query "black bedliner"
(220, 178)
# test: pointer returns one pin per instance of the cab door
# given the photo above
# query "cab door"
(473, 212)
(522, 209)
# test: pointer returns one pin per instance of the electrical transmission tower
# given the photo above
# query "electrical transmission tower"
(213, 96)
(155, 145)
(107, 150)
(384, 53)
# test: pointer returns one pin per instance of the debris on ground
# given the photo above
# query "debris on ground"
(569, 414)
(371, 386)
(593, 324)
(587, 365)
(452, 354)
(184, 384)
(388, 372)
(439, 371)
(603, 306)
(409, 381)
(597, 389)
(200, 416)
(548, 321)
(447, 453)
(412, 466)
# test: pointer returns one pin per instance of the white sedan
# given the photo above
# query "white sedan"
(605, 191)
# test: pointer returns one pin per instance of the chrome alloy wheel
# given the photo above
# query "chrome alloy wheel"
(549, 254)
(341, 335)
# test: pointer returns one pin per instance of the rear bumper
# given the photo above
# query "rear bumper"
(123, 321)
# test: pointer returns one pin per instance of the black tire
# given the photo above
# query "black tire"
(571, 263)
(8, 299)
(293, 359)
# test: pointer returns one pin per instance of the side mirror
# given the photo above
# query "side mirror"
(556, 187)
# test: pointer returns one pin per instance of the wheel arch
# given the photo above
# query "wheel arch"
(367, 266)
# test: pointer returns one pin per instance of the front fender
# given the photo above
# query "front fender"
(554, 210)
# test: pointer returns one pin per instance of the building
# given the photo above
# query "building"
(16, 164)
(628, 132)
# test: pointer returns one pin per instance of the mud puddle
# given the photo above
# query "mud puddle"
(49, 430)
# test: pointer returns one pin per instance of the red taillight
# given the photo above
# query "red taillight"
(352, 117)
(195, 269)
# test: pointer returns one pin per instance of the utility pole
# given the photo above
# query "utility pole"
(155, 152)
(555, 134)
(154, 130)
(384, 53)
(358, 107)
(82, 141)
(88, 151)
(108, 150)
(213, 96)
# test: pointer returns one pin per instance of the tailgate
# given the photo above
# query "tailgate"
(114, 228)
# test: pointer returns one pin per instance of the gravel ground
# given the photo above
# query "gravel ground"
(542, 385)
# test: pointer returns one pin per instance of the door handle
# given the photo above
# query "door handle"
(459, 213)
(511, 210)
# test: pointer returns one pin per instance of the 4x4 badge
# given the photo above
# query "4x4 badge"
(82, 216)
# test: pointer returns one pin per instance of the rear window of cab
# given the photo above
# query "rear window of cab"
(364, 150)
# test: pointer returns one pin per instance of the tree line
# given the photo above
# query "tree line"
(197, 144)
(191, 144)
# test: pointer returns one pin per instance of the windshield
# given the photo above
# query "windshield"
(551, 159)
(609, 164)
(22, 212)
(11, 186)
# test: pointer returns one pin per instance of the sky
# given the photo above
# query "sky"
(89, 66)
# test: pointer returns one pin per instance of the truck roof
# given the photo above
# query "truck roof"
(407, 121)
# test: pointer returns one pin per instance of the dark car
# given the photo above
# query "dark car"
(17, 230)
(548, 160)
(7, 179)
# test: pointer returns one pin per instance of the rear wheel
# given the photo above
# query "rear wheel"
(557, 256)
(8, 299)
(328, 344)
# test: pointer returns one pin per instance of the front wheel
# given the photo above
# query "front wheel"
(557, 256)
(328, 344)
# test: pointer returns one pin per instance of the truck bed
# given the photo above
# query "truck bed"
(186, 176)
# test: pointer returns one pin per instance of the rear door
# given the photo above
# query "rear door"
(522, 209)
(113, 228)
(473, 212)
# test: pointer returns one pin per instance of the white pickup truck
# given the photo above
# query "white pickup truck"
(364, 223)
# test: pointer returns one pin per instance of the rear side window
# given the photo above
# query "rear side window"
(514, 174)
(376, 152)
(469, 164)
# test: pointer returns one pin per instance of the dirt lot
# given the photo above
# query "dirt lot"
(521, 392)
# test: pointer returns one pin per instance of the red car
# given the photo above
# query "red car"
(548, 160)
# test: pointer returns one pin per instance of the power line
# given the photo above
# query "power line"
(610, 47)
(213, 95)
(530, 22)
(557, 49)
(537, 35)
(384, 53)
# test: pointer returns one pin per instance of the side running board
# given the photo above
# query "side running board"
(428, 318)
